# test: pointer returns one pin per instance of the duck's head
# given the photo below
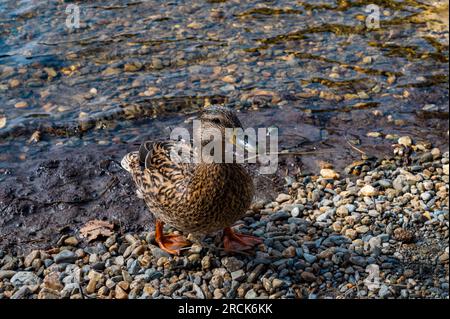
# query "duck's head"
(219, 117)
(215, 119)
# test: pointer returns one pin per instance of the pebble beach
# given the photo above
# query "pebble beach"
(379, 229)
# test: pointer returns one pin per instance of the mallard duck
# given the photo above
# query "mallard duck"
(200, 198)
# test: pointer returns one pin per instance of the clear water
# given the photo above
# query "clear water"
(310, 67)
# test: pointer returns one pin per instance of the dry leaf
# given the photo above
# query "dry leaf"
(96, 228)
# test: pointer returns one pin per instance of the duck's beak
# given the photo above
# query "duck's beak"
(244, 142)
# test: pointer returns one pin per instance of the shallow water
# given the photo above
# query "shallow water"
(138, 68)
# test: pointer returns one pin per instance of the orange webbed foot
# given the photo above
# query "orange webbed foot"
(169, 243)
(234, 242)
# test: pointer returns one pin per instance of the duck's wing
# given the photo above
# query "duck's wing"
(167, 168)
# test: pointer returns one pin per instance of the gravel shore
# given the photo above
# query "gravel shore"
(380, 232)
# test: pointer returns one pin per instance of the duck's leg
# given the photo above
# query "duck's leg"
(169, 243)
(237, 242)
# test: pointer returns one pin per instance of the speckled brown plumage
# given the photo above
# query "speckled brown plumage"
(193, 198)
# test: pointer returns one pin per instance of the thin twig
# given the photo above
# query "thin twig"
(81, 290)
(353, 146)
